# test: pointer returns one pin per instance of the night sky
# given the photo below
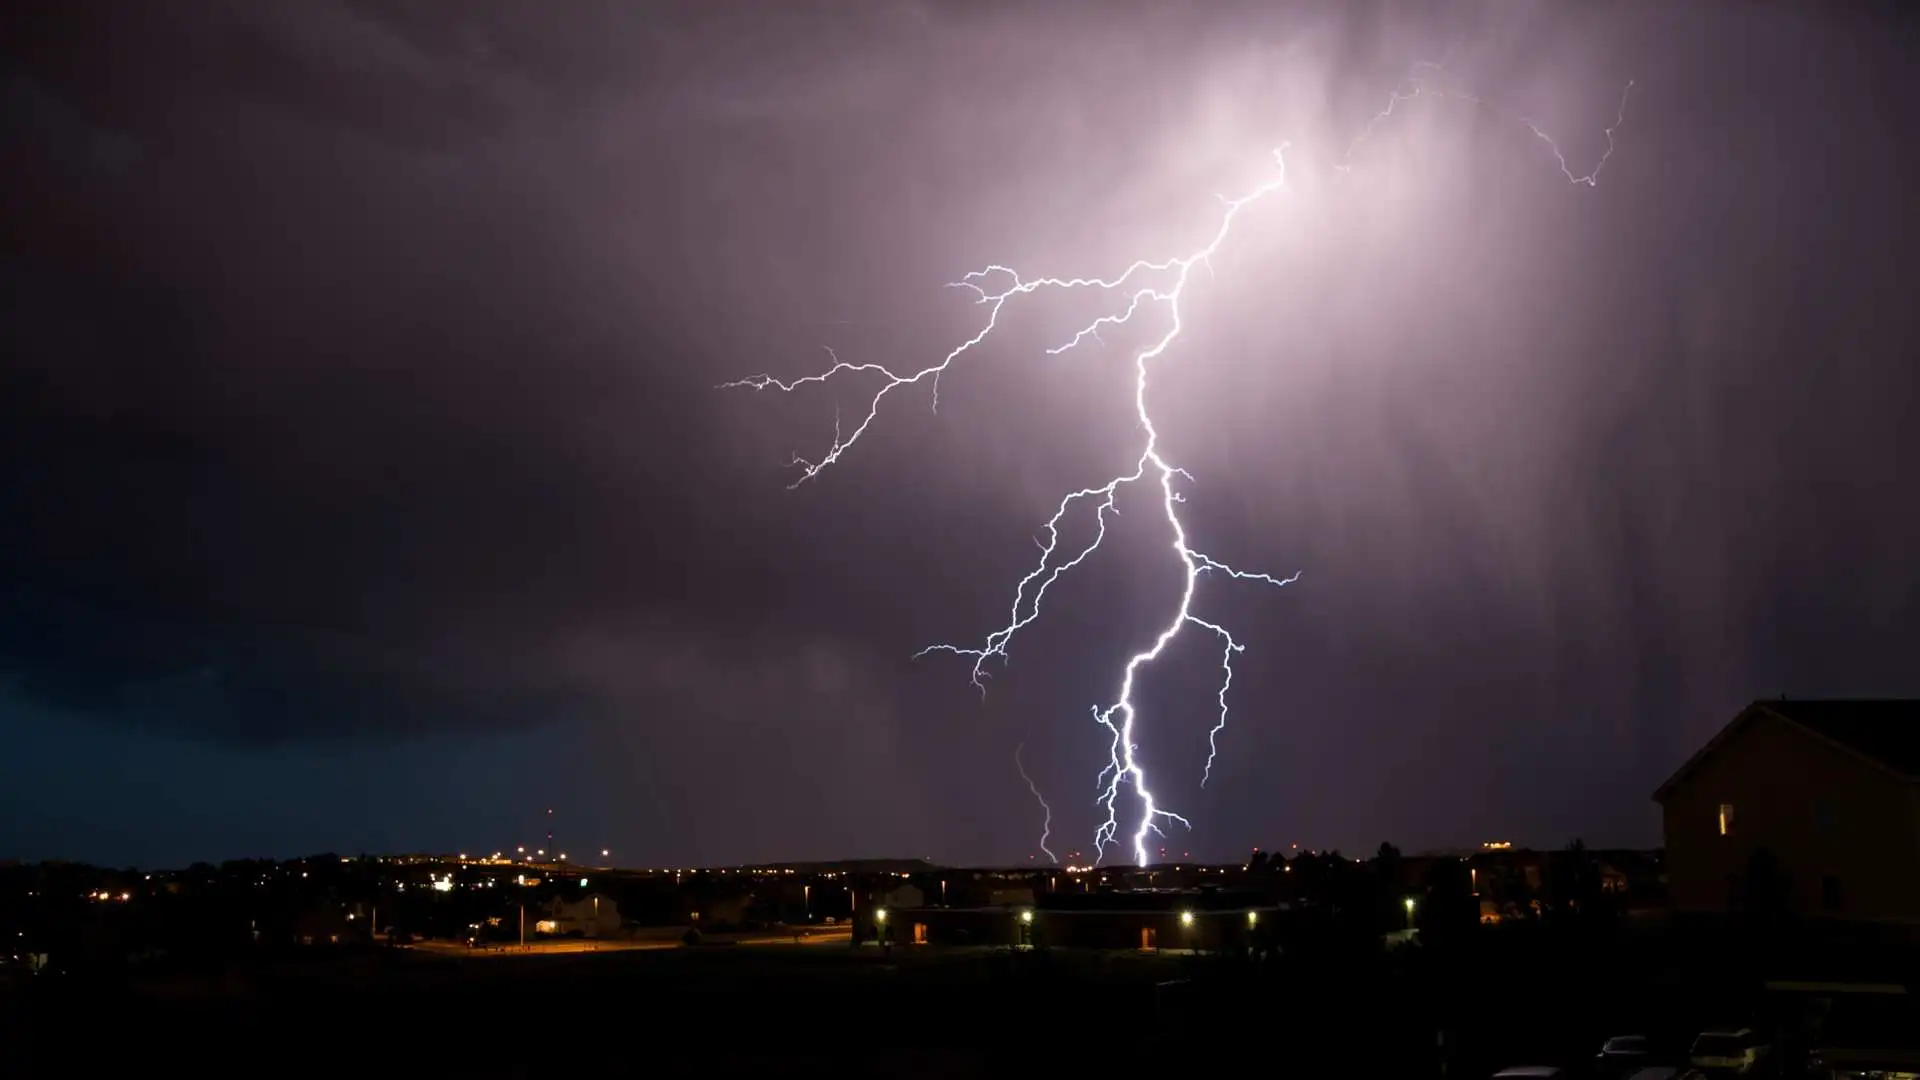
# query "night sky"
(364, 485)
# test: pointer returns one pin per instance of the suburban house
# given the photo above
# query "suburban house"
(329, 922)
(903, 895)
(722, 910)
(1145, 921)
(594, 915)
(992, 890)
(1814, 803)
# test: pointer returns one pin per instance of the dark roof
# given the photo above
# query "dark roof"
(1885, 732)
(1271, 907)
(1196, 900)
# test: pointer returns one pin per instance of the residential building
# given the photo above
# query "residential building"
(329, 922)
(721, 910)
(903, 895)
(1812, 807)
(1145, 921)
(594, 915)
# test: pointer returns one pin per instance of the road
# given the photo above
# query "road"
(574, 946)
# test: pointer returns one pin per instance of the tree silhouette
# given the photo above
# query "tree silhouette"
(1389, 910)
(1448, 911)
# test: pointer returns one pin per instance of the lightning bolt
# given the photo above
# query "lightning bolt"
(1046, 826)
(1417, 86)
(1142, 284)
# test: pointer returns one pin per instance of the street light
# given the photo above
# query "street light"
(1186, 918)
(880, 915)
(1026, 916)
(1253, 917)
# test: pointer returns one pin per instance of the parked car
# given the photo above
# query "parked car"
(1739, 1053)
(1530, 1072)
(1622, 1056)
(1868, 1036)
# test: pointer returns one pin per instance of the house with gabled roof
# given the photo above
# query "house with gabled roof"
(1815, 801)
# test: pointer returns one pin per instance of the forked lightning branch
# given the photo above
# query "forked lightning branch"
(1145, 288)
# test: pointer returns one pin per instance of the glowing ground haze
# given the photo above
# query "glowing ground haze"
(1144, 284)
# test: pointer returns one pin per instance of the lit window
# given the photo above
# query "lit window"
(1726, 819)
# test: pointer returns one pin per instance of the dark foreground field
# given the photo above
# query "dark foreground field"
(846, 1012)
(696, 1011)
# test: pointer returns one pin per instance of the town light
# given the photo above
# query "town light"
(1026, 916)
(1409, 903)
(1186, 918)
(1253, 917)
(880, 915)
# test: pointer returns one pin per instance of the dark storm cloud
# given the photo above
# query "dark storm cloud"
(361, 363)
(212, 679)
(322, 413)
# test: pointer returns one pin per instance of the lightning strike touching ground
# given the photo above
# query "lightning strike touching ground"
(1046, 826)
(1161, 283)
